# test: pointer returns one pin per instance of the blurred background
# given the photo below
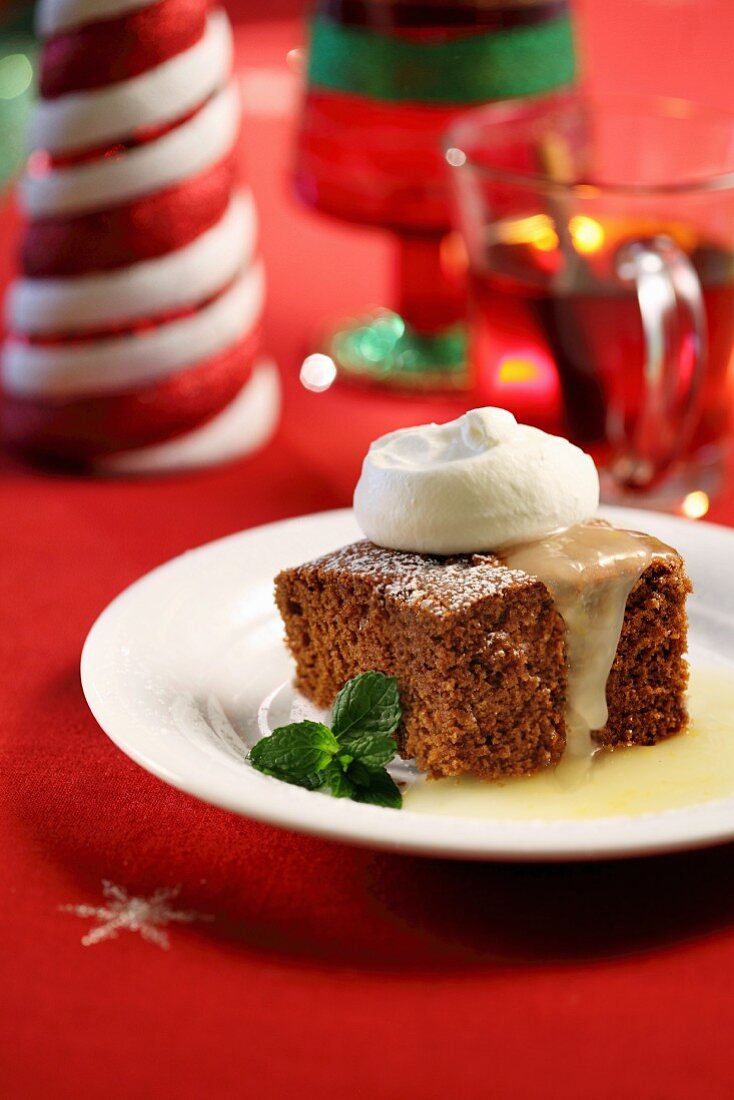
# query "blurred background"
(320, 268)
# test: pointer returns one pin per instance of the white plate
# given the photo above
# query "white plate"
(177, 669)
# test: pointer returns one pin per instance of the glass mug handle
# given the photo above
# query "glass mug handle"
(676, 335)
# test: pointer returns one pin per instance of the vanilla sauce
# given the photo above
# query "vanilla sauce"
(590, 570)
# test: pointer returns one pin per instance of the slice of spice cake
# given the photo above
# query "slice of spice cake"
(479, 652)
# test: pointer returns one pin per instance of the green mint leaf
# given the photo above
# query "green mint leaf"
(337, 781)
(359, 775)
(296, 753)
(368, 704)
(382, 791)
(348, 761)
(373, 750)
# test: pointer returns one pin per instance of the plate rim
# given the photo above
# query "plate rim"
(515, 840)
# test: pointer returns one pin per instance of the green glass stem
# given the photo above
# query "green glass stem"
(422, 343)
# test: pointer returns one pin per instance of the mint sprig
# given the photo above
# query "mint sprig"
(297, 753)
(348, 760)
(367, 704)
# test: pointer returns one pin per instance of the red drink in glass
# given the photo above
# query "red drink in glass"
(600, 236)
(556, 338)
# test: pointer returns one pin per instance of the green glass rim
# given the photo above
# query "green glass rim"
(465, 70)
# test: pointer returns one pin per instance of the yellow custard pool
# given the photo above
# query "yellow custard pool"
(689, 769)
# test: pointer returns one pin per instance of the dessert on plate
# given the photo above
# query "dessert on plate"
(519, 627)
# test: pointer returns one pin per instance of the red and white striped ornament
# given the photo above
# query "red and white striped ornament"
(134, 326)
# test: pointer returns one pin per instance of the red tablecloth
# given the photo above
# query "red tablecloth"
(325, 970)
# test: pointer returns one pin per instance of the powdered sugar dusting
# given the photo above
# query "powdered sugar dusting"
(439, 584)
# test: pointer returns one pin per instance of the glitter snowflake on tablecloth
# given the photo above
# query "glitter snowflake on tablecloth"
(148, 916)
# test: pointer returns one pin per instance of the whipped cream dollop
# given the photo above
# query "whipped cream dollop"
(480, 482)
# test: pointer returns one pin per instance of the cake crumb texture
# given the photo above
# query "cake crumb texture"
(477, 650)
(646, 689)
(479, 653)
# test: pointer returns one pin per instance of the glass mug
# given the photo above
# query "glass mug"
(600, 237)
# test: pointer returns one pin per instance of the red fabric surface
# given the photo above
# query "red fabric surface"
(326, 971)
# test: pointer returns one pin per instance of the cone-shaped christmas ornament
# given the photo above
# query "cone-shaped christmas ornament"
(134, 327)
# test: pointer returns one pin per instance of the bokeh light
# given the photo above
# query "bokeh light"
(318, 372)
(586, 233)
(16, 74)
(516, 370)
(456, 157)
(696, 504)
(538, 231)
